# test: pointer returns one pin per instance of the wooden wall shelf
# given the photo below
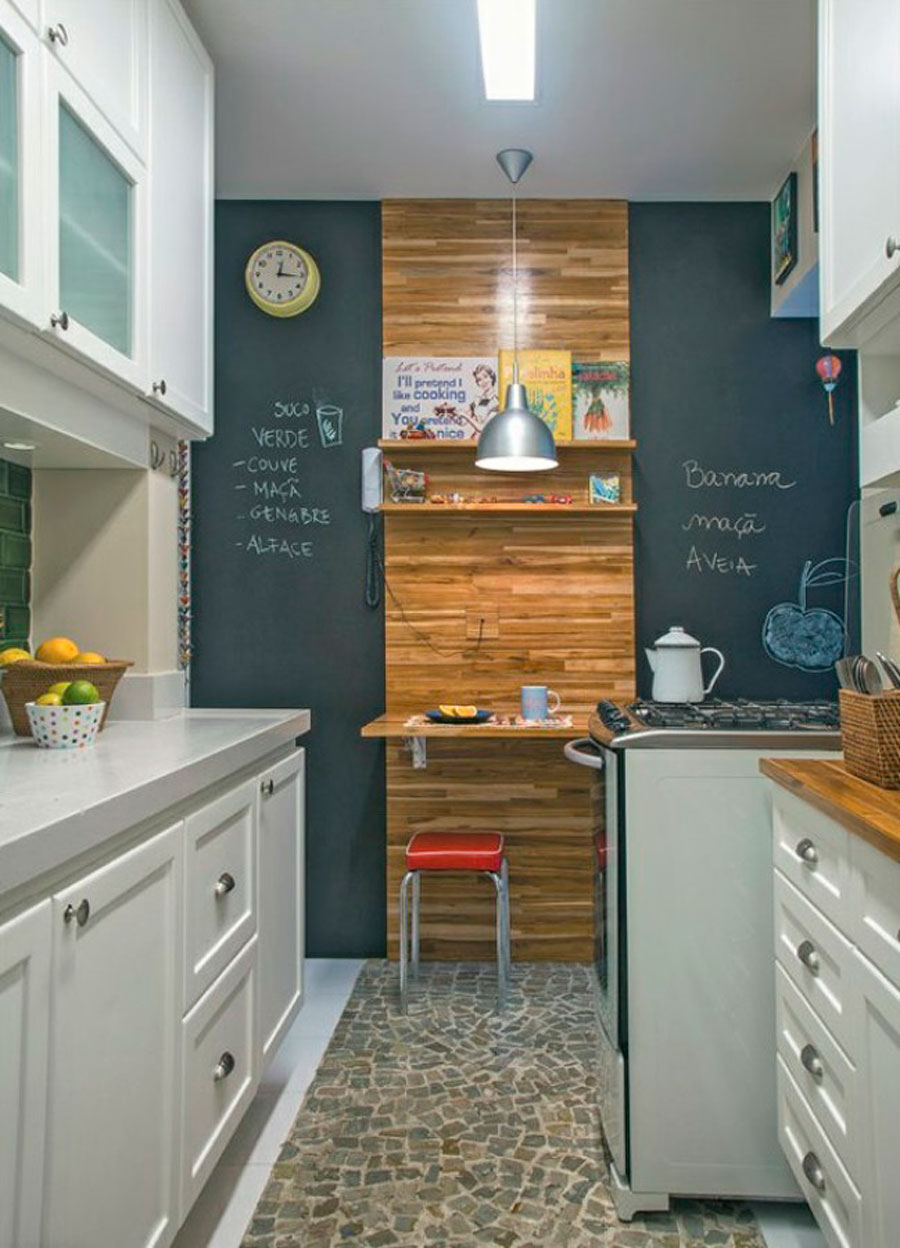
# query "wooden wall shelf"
(391, 726)
(507, 509)
(469, 444)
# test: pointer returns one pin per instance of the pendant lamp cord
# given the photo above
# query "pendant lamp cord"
(515, 292)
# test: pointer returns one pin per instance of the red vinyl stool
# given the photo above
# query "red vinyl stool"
(454, 851)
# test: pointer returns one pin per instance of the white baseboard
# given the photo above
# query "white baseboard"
(149, 695)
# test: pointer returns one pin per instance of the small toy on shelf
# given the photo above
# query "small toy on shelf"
(417, 433)
(606, 487)
(406, 485)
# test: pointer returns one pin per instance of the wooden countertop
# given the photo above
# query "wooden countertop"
(862, 808)
(394, 725)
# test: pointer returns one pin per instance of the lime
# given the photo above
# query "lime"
(80, 693)
(49, 699)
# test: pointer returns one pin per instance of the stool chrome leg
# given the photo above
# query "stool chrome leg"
(416, 898)
(507, 933)
(497, 880)
(404, 940)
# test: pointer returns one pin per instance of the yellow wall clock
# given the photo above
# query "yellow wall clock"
(282, 279)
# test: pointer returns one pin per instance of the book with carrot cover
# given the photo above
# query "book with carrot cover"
(547, 375)
(600, 400)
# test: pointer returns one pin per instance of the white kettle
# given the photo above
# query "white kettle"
(677, 674)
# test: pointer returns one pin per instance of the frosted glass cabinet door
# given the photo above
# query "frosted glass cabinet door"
(95, 235)
(95, 241)
(20, 224)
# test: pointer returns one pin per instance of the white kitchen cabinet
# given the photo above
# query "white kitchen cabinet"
(859, 143)
(181, 218)
(24, 1029)
(21, 208)
(281, 902)
(103, 46)
(220, 1069)
(96, 242)
(879, 1066)
(220, 885)
(30, 10)
(838, 991)
(112, 1136)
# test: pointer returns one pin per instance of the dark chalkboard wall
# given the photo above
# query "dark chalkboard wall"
(720, 387)
(280, 540)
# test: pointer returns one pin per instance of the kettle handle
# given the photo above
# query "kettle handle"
(719, 669)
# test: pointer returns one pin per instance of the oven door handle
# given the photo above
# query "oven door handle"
(575, 753)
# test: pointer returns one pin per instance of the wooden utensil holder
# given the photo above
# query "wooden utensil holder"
(870, 725)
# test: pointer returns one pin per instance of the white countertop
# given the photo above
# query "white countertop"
(58, 804)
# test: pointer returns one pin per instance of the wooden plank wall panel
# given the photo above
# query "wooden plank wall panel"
(447, 276)
(557, 588)
(560, 588)
(541, 803)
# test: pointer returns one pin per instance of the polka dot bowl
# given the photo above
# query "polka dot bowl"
(64, 727)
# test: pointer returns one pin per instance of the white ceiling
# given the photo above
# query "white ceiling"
(640, 99)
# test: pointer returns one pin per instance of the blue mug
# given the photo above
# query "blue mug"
(535, 702)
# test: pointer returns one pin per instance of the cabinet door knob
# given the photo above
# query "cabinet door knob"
(891, 247)
(159, 387)
(809, 1057)
(224, 884)
(807, 852)
(807, 954)
(60, 320)
(814, 1172)
(58, 34)
(224, 1066)
(81, 913)
(268, 787)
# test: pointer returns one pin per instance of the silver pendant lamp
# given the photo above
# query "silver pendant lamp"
(515, 440)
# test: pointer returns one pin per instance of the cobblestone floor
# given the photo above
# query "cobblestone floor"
(454, 1127)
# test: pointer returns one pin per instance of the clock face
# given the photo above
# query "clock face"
(282, 279)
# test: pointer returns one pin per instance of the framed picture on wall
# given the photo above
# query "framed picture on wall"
(784, 229)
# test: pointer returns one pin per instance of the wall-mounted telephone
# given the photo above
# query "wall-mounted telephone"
(371, 478)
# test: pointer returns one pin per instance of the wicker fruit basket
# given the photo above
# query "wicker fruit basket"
(870, 725)
(26, 680)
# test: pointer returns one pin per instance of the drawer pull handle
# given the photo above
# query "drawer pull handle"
(807, 954)
(159, 387)
(80, 913)
(814, 1172)
(58, 34)
(60, 320)
(809, 1057)
(224, 884)
(268, 787)
(807, 852)
(224, 1066)
(891, 247)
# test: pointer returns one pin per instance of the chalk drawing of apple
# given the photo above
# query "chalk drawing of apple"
(808, 638)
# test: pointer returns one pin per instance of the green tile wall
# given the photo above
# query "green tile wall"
(15, 553)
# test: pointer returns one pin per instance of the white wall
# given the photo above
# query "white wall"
(105, 562)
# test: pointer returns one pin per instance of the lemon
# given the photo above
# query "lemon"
(49, 699)
(88, 656)
(467, 712)
(60, 687)
(57, 650)
(12, 654)
(80, 693)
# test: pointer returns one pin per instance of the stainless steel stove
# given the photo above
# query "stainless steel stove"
(684, 949)
(718, 724)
